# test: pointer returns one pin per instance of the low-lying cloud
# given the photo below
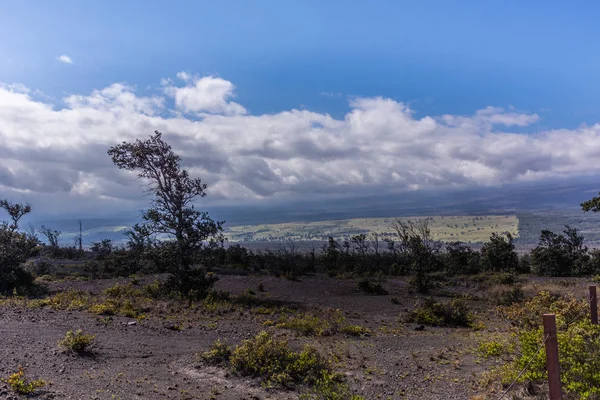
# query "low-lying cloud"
(56, 157)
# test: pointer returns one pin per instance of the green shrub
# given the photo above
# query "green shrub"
(497, 278)
(454, 313)
(510, 296)
(355, 330)
(120, 291)
(219, 353)
(305, 324)
(272, 360)
(494, 348)
(330, 386)
(15, 249)
(367, 286)
(578, 344)
(77, 341)
(19, 383)
(528, 314)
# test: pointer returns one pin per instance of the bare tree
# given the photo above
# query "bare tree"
(420, 247)
(51, 235)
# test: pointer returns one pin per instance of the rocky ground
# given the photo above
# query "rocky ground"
(148, 359)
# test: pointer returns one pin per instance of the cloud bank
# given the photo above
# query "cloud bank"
(55, 157)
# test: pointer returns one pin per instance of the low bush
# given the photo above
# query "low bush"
(272, 360)
(367, 286)
(453, 313)
(277, 365)
(579, 368)
(77, 341)
(120, 291)
(494, 348)
(20, 384)
(509, 296)
(219, 353)
(330, 386)
(305, 324)
(528, 314)
(355, 330)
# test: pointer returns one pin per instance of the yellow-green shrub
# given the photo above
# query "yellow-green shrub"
(77, 341)
(278, 365)
(431, 312)
(19, 383)
(529, 314)
(578, 347)
(305, 324)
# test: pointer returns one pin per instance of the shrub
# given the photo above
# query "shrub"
(355, 330)
(528, 314)
(499, 253)
(579, 369)
(494, 348)
(305, 324)
(454, 313)
(77, 341)
(560, 255)
(367, 286)
(120, 291)
(273, 361)
(39, 267)
(510, 296)
(194, 284)
(15, 249)
(218, 354)
(19, 383)
(330, 386)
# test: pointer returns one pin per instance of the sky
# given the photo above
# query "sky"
(279, 101)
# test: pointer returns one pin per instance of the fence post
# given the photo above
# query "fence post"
(552, 357)
(593, 304)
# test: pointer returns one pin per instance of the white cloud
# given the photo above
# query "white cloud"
(184, 76)
(65, 59)
(59, 155)
(330, 94)
(205, 95)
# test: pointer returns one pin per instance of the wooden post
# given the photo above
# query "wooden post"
(552, 357)
(593, 304)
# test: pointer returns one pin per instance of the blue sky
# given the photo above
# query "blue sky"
(270, 100)
(441, 57)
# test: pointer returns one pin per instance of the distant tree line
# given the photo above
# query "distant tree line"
(194, 243)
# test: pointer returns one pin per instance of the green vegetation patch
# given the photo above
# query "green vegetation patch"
(435, 313)
(277, 365)
(20, 384)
